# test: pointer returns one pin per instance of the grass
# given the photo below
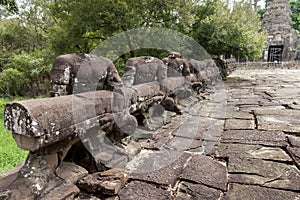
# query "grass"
(10, 154)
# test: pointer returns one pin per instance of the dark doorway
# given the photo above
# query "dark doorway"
(275, 53)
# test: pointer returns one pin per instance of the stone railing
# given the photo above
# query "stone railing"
(96, 111)
(267, 65)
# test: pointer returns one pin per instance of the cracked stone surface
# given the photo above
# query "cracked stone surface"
(240, 142)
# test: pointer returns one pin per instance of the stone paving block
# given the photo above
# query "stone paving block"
(107, 182)
(166, 175)
(183, 144)
(239, 124)
(193, 127)
(196, 191)
(251, 192)
(137, 190)
(163, 168)
(294, 106)
(239, 102)
(239, 115)
(272, 122)
(158, 140)
(70, 172)
(280, 119)
(249, 108)
(265, 173)
(64, 191)
(269, 138)
(252, 151)
(204, 170)
(283, 112)
(294, 148)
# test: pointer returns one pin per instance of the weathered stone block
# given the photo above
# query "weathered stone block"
(239, 124)
(136, 190)
(196, 191)
(167, 175)
(108, 182)
(269, 138)
(204, 170)
(265, 173)
(70, 172)
(252, 151)
(49, 120)
(250, 192)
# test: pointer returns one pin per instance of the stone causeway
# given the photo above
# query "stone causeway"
(237, 140)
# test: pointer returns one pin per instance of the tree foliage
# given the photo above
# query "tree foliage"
(80, 31)
(44, 29)
(223, 31)
(295, 7)
(10, 5)
(12, 82)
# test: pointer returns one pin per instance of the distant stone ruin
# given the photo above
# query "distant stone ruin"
(282, 41)
(80, 141)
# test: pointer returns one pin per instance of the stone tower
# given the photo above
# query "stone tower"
(282, 40)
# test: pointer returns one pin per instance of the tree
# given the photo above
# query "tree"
(295, 7)
(12, 82)
(10, 5)
(80, 31)
(224, 32)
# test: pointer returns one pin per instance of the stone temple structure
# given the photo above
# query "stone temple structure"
(282, 40)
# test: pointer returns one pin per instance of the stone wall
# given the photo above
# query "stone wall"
(270, 65)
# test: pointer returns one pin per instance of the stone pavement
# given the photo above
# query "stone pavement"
(242, 142)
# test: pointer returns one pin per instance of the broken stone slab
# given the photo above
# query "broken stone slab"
(70, 172)
(294, 148)
(109, 182)
(204, 170)
(66, 191)
(250, 108)
(192, 126)
(276, 122)
(265, 173)
(239, 115)
(162, 136)
(239, 124)
(280, 119)
(268, 138)
(252, 151)
(166, 174)
(183, 144)
(282, 112)
(137, 190)
(50, 120)
(196, 191)
(250, 192)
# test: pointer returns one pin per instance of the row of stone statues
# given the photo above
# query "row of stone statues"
(93, 112)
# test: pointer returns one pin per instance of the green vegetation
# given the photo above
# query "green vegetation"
(10, 6)
(10, 154)
(231, 32)
(37, 31)
(295, 6)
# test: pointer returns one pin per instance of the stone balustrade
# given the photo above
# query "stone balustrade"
(100, 107)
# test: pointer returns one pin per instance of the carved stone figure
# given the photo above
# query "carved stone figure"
(75, 73)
